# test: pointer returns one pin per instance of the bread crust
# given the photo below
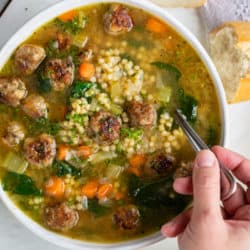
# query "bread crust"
(243, 92)
(237, 90)
(241, 29)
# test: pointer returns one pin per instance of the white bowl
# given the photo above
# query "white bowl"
(43, 18)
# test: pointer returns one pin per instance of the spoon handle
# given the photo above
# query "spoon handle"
(228, 180)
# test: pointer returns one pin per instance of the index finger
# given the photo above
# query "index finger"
(235, 162)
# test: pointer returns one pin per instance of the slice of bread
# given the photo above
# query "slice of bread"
(180, 3)
(230, 51)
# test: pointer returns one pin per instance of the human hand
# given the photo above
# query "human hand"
(208, 225)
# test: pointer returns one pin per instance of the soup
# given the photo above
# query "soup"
(89, 143)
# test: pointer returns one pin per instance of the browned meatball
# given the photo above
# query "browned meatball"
(12, 90)
(127, 218)
(105, 127)
(28, 57)
(158, 164)
(60, 72)
(40, 151)
(185, 170)
(60, 217)
(141, 114)
(14, 134)
(117, 20)
(35, 106)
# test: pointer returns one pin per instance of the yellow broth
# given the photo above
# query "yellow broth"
(142, 47)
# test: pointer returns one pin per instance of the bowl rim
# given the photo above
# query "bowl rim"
(45, 16)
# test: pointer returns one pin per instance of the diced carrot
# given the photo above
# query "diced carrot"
(104, 191)
(137, 161)
(119, 196)
(68, 16)
(54, 187)
(63, 150)
(155, 26)
(134, 171)
(84, 151)
(86, 70)
(90, 189)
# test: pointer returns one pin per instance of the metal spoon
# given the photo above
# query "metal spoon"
(228, 180)
(4, 7)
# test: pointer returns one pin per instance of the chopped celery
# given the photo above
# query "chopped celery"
(116, 90)
(14, 163)
(102, 156)
(116, 109)
(113, 171)
(172, 73)
(80, 40)
(163, 94)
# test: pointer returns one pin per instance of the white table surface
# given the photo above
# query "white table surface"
(13, 235)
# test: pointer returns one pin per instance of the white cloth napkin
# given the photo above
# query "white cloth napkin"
(216, 12)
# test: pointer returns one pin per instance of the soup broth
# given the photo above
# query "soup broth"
(89, 144)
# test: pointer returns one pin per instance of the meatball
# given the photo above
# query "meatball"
(127, 218)
(185, 170)
(60, 72)
(14, 134)
(158, 164)
(117, 20)
(141, 114)
(35, 106)
(12, 90)
(40, 151)
(28, 57)
(60, 217)
(105, 127)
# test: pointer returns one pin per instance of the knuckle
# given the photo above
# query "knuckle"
(208, 215)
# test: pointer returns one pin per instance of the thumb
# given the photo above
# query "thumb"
(206, 186)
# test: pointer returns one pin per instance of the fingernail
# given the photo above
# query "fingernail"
(166, 229)
(205, 159)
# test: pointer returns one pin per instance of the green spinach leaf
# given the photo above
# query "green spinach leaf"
(79, 88)
(95, 208)
(189, 107)
(63, 168)
(150, 193)
(44, 85)
(43, 125)
(20, 184)
(211, 136)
